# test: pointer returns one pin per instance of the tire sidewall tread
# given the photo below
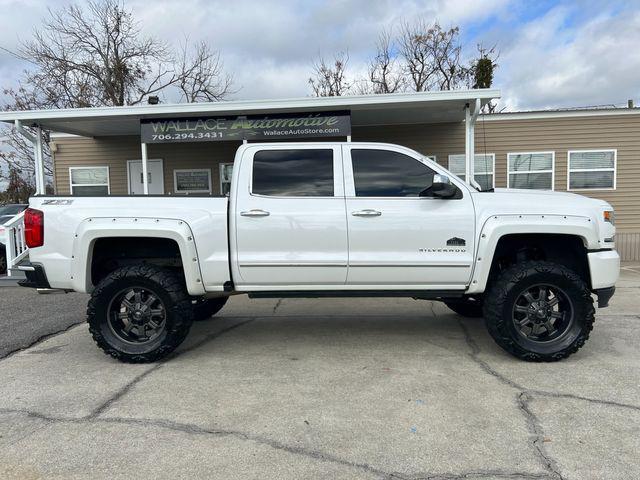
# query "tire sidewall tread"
(497, 307)
(167, 285)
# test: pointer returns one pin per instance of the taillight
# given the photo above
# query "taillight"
(33, 227)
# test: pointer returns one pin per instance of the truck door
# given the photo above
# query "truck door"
(289, 217)
(398, 238)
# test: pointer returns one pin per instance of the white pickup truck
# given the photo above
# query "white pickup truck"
(329, 219)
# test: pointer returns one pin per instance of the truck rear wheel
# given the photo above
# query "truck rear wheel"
(539, 311)
(3, 260)
(140, 313)
(205, 308)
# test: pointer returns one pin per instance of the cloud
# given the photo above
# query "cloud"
(554, 63)
(581, 53)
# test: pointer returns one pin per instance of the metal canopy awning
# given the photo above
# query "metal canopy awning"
(388, 109)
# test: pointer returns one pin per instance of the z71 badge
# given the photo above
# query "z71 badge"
(57, 202)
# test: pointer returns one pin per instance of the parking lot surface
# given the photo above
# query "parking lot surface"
(330, 388)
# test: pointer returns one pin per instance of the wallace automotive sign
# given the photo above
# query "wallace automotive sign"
(211, 129)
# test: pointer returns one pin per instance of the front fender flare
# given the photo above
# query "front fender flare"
(497, 226)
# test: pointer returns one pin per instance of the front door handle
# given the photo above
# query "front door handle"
(366, 213)
(255, 213)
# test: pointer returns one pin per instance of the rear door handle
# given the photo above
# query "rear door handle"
(255, 213)
(366, 213)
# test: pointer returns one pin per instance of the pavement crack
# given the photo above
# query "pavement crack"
(198, 430)
(122, 391)
(277, 305)
(475, 357)
(486, 474)
(570, 396)
(535, 428)
(39, 340)
(433, 312)
(127, 388)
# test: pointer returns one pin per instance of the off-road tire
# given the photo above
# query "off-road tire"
(467, 307)
(205, 308)
(172, 291)
(500, 299)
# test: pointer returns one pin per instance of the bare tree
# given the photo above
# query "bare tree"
(416, 55)
(431, 56)
(202, 75)
(96, 55)
(384, 72)
(329, 80)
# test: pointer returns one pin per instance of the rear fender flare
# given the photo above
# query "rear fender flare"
(92, 229)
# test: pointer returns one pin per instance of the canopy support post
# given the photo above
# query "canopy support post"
(38, 154)
(145, 170)
(469, 137)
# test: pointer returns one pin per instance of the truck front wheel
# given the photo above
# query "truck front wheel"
(539, 311)
(139, 313)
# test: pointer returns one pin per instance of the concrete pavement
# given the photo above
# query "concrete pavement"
(328, 388)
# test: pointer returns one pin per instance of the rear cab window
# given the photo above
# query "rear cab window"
(293, 173)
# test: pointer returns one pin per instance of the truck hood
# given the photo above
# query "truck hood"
(521, 201)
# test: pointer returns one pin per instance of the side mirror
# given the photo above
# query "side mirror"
(442, 187)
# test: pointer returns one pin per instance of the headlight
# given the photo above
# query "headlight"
(609, 216)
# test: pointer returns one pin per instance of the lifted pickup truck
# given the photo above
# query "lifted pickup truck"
(329, 219)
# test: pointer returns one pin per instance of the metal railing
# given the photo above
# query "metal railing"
(17, 248)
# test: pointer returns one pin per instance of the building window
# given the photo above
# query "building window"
(226, 172)
(533, 170)
(192, 180)
(293, 173)
(384, 173)
(484, 168)
(592, 170)
(89, 181)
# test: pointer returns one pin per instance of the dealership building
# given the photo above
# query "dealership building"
(188, 149)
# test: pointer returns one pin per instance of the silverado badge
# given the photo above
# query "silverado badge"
(456, 242)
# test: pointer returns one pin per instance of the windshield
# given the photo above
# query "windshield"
(12, 209)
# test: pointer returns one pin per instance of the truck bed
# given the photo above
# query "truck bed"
(199, 225)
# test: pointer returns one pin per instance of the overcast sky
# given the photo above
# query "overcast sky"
(552, 54)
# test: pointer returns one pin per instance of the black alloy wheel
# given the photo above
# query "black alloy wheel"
(543, 313)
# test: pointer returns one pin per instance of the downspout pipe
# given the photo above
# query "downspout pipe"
(38, 155)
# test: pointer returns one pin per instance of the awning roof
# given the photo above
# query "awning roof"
(387, 109)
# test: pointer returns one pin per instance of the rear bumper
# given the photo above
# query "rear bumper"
(36, 276)
(604, 268)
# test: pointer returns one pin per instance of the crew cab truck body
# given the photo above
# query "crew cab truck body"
(329, 219)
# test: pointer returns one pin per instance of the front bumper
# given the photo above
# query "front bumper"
(604, 268)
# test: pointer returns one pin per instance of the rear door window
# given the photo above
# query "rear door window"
(384, 173)
(293, 173)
